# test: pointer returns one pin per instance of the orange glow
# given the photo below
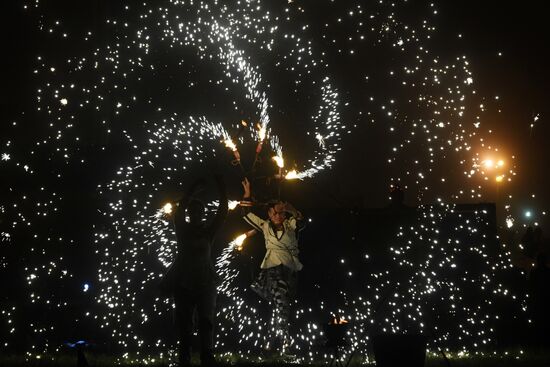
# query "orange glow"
(229, 143)
(337, 321)
(232, 204)
(261, 132)
(292, 175)
(239, 241)
(279, 161)
(167, 208)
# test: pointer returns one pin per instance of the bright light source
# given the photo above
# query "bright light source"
(167, 208)
(488, 163)
(292, 175)
(229, 144)
(239, 241)
(279, 160)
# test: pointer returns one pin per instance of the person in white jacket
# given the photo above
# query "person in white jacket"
(277, 279)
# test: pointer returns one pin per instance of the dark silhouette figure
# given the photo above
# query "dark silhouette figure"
(79, 346)
(191, 279)
(539, 280)
(539, 242)
(397, 196)
(528, 242)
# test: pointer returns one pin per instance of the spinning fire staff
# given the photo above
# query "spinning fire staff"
(277, 280)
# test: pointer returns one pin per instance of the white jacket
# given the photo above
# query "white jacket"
(281, 246)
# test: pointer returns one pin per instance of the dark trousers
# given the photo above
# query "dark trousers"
(203, 302)
(277, 285)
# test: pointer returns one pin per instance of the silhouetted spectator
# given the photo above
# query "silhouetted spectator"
(528, 242)
(540, 243)
(191, 279)
(540, 299)
(397, 196)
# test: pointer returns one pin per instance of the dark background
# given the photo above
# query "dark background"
(519, 77)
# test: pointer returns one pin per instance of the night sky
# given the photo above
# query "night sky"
(504, 43)
(108, 112)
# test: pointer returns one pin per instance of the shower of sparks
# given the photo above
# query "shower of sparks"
(167, 208)
(292, 175)
(232, 204)
(245, 48)
(229, 143)
(279, 161)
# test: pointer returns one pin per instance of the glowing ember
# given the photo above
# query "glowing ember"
(229, 144)
(167, 208)
(279, 161)
(292, 175)
(262, 132)
(232, 204)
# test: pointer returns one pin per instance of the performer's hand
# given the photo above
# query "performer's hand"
(292, 210)
(246, 188)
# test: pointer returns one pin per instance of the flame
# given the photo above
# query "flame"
(279, 160)
(499, 178)
(229, 143)
(338, 321)
(292, 175)
(244, 123)
(167, 208)
(261, 132)
(488, 163)
(232, 204)
(239, 241)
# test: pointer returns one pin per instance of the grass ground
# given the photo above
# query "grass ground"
(525, 358)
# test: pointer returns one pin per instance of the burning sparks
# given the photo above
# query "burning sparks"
(167, 208)
(239, 241)
(229, 144)
(338, 321)
(279, 161)
(235, 41)
(292, 175)
(262, 132)
(232, 204)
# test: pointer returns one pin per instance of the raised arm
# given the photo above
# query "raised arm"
(197, 185)
(222, 208)
(246, 202)
(288, 207)
(249, 217)
(297, 215)
(179, 213)
(246, 188)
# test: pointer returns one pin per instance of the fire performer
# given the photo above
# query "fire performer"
(191, 279)
(277, 279)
